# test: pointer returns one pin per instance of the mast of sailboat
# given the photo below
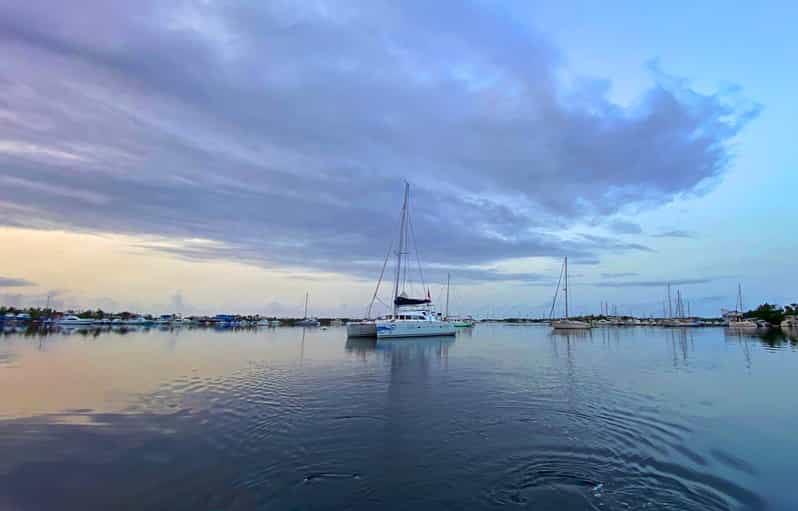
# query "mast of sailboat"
(306, 305)
(401, 248)
(565, 287)
(448, 280)
(740, 298)
(670, 310)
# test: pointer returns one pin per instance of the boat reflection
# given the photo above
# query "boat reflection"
(402, 348)
(771, 337)
(572, 334)
(682, 344)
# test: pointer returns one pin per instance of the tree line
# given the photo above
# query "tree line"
(773, 314)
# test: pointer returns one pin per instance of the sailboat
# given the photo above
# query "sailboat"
(411, 317)
(458, 321)
(566, 323)
(737, 321)
(306, 321)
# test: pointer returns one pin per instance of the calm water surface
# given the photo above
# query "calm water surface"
(500, 417)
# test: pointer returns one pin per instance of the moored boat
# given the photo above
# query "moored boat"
(138, 321)
(365, 328)
(72, 320)
(306, 321)
(461, 322)
(570, 324)
(413, 322)
(790, 323)
(566, 323)
(411, 317)
(736, 319)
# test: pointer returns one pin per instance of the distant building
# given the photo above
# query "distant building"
(732, 315)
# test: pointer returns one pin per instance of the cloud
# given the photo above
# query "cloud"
(282, 132)
(15, 282)
(624, 227)
(652, 283)
(709, 299)
(677, 233)
(619, 275)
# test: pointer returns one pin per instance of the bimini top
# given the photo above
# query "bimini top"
(403, 300)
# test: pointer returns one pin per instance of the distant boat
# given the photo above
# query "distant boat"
(462, 321)
(306, 321)
(457, 321)
(736, 321)
(789, 323)
(566, 323)
(137, 321)
(73, 320)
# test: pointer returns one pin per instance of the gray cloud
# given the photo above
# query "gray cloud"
(14, 282)
(283, 132)
(676, 233)
(624, 227)
(710, 299)
(652, 283)
(619, 275)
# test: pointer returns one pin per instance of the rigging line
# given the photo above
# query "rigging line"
(556, 292)
(382, 273)
(418, 257)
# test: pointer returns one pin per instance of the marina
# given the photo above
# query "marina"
(312, 256)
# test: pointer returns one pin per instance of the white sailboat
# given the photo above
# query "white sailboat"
(737, 321)
(566, 323)
(306, 321)
(458, 321)
(411, 317)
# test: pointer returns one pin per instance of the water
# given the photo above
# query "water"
(500, 417)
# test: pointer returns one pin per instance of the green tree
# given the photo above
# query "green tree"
(773, 314)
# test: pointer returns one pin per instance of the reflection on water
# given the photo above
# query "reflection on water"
(293, 418)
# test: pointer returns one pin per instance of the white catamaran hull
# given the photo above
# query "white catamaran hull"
(361, 329)
(410, 328)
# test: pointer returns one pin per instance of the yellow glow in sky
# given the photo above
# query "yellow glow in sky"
(117, 272)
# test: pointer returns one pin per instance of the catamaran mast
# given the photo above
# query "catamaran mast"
(401, 249)
(565, 287)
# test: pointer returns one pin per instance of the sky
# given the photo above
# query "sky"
(206, 156)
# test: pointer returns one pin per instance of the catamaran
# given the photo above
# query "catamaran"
(411, 317)
(566, 323)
